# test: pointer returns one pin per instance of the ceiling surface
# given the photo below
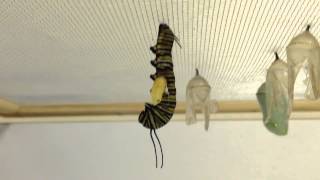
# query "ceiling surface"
(98, 51)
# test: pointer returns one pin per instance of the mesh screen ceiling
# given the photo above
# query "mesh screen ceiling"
(98, 51)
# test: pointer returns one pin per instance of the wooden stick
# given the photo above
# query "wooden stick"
(7, 107)
(134, 118)
(249, 106)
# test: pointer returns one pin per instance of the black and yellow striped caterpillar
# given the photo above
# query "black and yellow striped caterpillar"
(156, 116)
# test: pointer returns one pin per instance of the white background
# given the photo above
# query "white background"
(98, 151)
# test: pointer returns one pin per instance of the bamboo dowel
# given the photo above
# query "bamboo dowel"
(134, 118)
(248, 106)
(7, 107)
(93, 109)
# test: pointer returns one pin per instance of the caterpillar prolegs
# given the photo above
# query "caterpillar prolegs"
(156, 116)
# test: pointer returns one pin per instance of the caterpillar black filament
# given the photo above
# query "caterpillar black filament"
(156, 116)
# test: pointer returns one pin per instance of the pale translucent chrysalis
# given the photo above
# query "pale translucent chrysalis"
(198, 98)
(304, 49)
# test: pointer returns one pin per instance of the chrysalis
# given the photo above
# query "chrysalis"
(274, 99)
(198, 97)
(302, 49)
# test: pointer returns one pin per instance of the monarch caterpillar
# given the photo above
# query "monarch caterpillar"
(156, 116)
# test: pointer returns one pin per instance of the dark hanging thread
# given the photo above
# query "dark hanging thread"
(154, 146)
(154, 131)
